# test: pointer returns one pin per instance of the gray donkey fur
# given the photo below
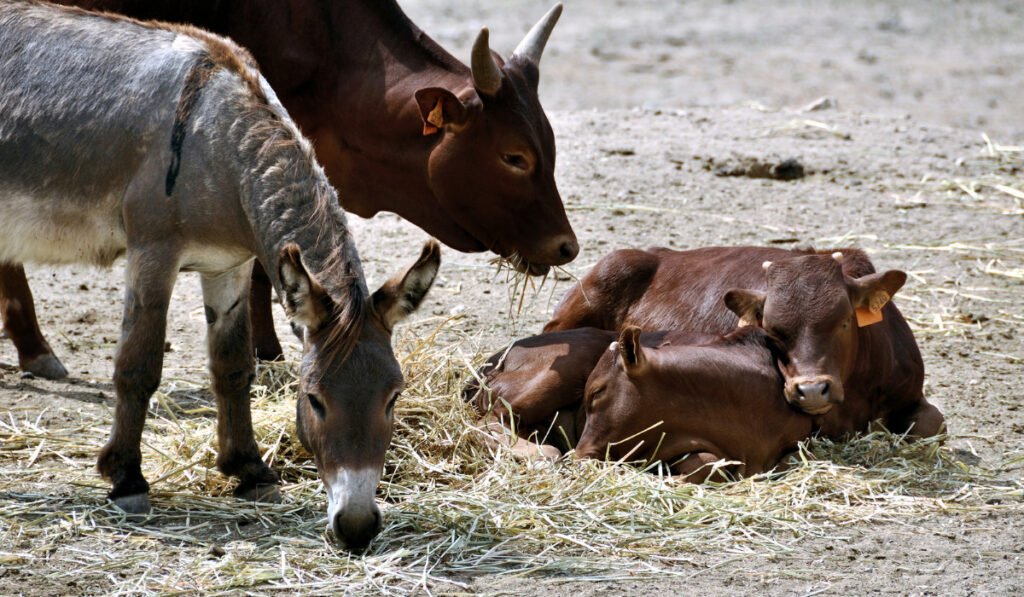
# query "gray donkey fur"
(164, 145)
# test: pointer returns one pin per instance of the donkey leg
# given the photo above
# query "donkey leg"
(19, 318)
(264, 339)
(231, 370)
(150, 276)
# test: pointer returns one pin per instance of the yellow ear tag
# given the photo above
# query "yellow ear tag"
(873, 312)
(435, 119)
(867, 317)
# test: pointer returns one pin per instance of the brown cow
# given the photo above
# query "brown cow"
(684, 399)
(806, 301)
(398, 124)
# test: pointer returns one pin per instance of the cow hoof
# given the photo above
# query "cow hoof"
(136, 506)
(47, 366)
(267, 494)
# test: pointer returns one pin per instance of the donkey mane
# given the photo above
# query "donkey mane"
(285, 160)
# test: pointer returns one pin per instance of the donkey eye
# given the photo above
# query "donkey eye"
(391, 403)
(516, 160)
(318, 407)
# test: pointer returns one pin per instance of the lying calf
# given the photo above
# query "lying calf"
(846, 353)
(681, 398)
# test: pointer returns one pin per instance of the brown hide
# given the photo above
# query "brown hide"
(538, 377)
(688, 399)
(882, 370)
(683, 398)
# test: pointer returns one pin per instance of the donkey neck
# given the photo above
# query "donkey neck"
(287, 199)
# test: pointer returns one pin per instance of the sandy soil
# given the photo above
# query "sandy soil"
(660, 109)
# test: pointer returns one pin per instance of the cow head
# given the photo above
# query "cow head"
(349, 385)
(492, 165)
(809, 312)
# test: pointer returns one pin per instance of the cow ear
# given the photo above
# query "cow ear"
(305, 300)
(630, 351)
(401, 295)
(747, 305)
(439, 107)
(873, 291)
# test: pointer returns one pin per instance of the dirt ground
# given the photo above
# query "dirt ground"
(663, 112)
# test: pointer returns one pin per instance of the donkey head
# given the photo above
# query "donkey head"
(350, 381)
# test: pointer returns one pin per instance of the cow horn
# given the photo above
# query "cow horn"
(837, 256)
(533, 44)
(486, 74)
(766, 265)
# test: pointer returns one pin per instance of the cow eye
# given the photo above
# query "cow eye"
(391, 403)
(516, 160)
(318, 406)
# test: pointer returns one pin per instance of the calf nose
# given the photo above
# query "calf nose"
(814, 394)
(354, 530)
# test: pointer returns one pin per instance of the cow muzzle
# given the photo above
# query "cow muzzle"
(814, 395)
(352, 515)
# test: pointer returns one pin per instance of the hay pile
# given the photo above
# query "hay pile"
(453, 510)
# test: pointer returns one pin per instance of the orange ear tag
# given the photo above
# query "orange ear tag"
(867, 317)
(435, 119)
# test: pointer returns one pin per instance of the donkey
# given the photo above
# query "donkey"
(465, 153)
(165, 145)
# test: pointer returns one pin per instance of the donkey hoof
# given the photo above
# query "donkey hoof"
(267, 494)
(136, 505)
(47, 366)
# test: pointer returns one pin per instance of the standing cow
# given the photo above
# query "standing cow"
(165, 146)
(399, 125)
(846, 352)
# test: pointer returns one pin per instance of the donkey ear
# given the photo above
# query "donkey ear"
(630, 351)
(747, 305)
(305, 300)
(439, 107)
(401, 295)
(873, 291)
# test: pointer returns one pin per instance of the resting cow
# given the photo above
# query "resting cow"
(400, 125)
(681, 398)
(818, 310)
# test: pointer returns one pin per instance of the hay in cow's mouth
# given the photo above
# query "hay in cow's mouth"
(453, 509)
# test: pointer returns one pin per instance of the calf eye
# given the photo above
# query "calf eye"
(516, 160)
(391, 403)
(318, 407)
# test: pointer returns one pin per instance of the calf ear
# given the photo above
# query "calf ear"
(747, 305)
(873, 291)
(630, 351)
(439, 107)
(401, 295)
(305, 300)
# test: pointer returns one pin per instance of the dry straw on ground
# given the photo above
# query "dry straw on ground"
(453, 510)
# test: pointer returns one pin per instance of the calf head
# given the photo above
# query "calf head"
(349, 382)
(810, 314)
(492, 167)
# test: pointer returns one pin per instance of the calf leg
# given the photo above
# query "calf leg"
(231, 371)
(150, 277)
(19, 318)
(264, 339)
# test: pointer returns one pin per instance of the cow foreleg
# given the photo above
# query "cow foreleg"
(150, 277)
(19, 323)
(265, 344)
(231, 371)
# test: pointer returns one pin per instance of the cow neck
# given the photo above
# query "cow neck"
(372, 146)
